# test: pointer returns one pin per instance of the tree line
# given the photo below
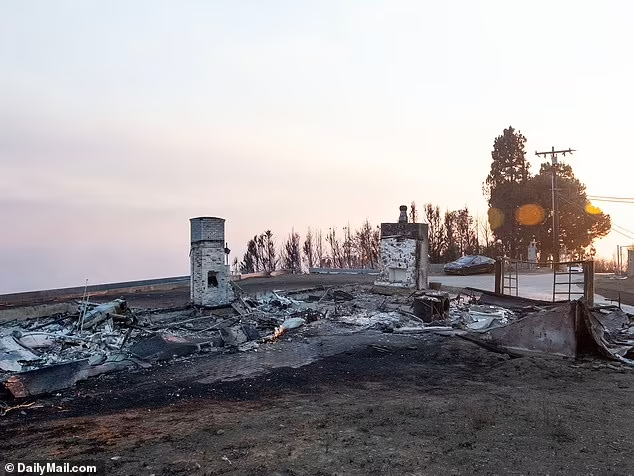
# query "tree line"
(351, 249)
(451, 234)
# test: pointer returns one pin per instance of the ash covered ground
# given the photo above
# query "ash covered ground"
(337, 398)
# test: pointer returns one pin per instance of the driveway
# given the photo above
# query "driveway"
(530, 285)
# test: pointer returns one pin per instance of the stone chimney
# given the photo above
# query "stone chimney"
(209, 275)
(404, 247)
(403, 216)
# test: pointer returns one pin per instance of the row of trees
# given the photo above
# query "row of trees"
(521, 204)
(353, 249)
(457, 233)
(451, 235)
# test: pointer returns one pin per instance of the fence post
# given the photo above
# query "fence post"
(499, 275)
(588, 282)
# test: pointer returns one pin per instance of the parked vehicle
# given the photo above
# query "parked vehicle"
(471, 264)
(575, 268)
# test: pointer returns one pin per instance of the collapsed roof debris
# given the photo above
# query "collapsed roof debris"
(92, 317)
(45, 355)
(612, 330)
(60, 376)
(550, 331)
(12, 353)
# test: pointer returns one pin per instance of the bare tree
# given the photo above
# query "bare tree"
(367, 246)
(466, 232)
(309, 249)
(336, 255)
(348, 248)
(319, 248)
(251, 259)
(436, 233)
(291, 254)
(357, 248)
(260, 254)
(413, 213)
(485, 236)
(260, 257)
(375, 247)
(451, 250)
(270, 252)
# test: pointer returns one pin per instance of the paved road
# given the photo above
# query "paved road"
(534, 286)
(531, 285)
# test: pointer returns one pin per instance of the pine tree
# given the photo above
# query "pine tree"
(505, 189)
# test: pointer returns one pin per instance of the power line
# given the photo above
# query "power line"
(624, 229)
(609, 198)
(613, 225)
(612, 200)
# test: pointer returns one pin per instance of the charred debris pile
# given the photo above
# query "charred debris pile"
(44, 355)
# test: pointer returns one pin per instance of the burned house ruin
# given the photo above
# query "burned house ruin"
(209, 276)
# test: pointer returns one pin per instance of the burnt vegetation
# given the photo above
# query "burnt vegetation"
(451, 234)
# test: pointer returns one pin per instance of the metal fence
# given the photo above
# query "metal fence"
(566, 276)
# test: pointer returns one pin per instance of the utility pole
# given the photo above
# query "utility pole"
(553, 157)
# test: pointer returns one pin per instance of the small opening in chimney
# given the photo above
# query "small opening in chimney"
(212, 280)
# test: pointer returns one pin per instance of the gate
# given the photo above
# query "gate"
(507, 276)
(565, 278)
(510, 282)
(570, 273)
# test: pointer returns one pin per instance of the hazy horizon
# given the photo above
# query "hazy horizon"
(122, 120)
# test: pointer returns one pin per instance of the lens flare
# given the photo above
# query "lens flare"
(592, 210)
(530, 214)
(496, 218)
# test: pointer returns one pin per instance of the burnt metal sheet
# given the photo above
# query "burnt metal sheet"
(46, 379)
(511, 302)
(239, 334)
(12, 354)
(58, 377)
(164, 347)
(101, 312)
(605, 329)
(549, 332)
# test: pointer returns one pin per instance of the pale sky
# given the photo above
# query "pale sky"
(120, 120)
